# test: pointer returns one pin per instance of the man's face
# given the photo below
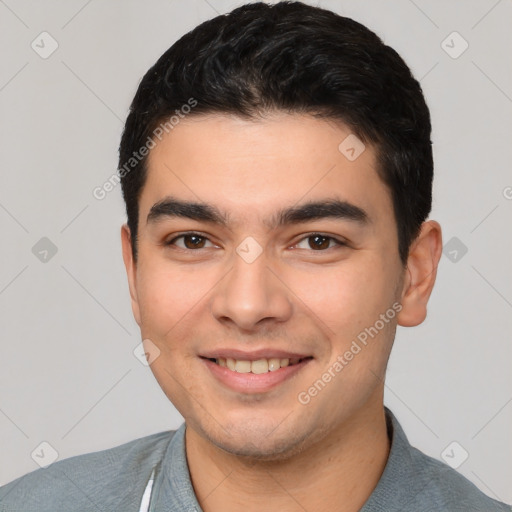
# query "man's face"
(302, 288)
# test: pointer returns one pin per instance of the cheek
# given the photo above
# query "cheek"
(345, 298)
(168, 295)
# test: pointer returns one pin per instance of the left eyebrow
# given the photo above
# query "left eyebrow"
(316, 210)
(307, 212)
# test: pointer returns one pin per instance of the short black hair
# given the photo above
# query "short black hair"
(295, 58)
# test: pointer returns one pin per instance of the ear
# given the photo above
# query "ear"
(420, 274)
(131, 269)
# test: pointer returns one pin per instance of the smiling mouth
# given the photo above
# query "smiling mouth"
(257, 366)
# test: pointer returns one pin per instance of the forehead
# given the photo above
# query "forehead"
(254, 167)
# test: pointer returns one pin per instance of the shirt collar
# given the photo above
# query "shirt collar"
(173, 489)
(394, 488)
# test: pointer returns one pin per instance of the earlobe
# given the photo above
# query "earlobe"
(131, 269)
(420, 276)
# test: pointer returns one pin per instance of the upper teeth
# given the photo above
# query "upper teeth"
(258, 366)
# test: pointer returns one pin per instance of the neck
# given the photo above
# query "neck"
(337, 473)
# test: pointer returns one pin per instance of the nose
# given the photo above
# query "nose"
(251, 295)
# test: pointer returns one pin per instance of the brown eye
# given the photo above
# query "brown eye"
(194, 241)
(319, 242)
(191, 241)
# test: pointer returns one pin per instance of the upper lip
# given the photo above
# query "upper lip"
(253, 355)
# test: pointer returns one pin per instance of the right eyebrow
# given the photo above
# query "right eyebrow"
(171, 207)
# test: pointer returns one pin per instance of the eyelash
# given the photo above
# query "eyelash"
(337, 242)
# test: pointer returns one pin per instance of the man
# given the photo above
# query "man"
(276, 166)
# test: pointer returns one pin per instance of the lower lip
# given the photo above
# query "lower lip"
(253, 382)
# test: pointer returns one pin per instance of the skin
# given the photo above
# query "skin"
(268, 450)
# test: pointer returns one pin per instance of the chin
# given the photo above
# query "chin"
(261, 441)
(263, 450)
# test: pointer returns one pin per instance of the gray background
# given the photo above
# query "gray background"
(68, 375)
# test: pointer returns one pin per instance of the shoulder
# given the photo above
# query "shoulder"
(112, 479)
(414, 481)
(443, 488)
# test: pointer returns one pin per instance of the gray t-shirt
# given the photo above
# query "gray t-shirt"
(120, 480)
